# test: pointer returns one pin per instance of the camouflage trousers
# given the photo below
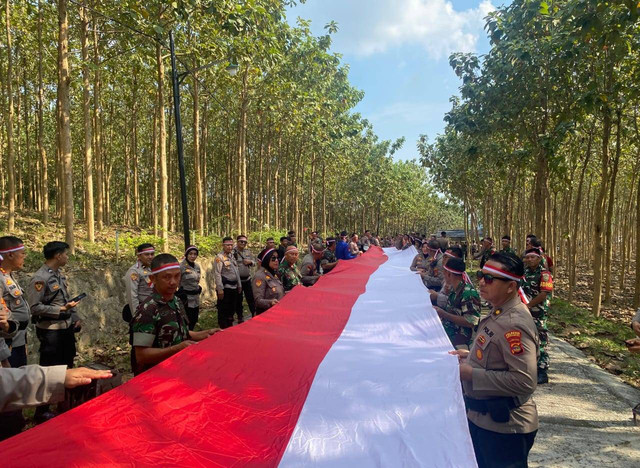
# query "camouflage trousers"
(541, 325)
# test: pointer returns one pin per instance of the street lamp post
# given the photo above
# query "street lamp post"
(177, 80)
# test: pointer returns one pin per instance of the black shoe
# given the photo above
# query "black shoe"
(44, 417)
(543, 378)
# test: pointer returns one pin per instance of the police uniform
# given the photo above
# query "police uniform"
(503, 419)
(227, 278)
(12, 423)
(434, 276)
(420, 261)
(245, 279)
(15, 301)
(31, 386)
(535, 282)
(310, 270)
(190, 290)
(266, 287)
(159, 324)
(47, 293)
(138, 286)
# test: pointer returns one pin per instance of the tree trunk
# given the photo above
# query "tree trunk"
(11, 222)
(636, 296)
(65, 122)
(196, 156)
(164, 178)
(88, 137)
(97, 130)
(612, 193)
(598, 222)
(44, 176)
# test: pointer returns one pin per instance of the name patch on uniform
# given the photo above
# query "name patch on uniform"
(514, 339)
(39, 285)
(488, 331)
(479, 354)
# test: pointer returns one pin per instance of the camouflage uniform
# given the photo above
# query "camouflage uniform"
(328, 257)
(465, 302)
(510, 250)
(159, 324)
(536, 281)
(486, 254)
(289, 275)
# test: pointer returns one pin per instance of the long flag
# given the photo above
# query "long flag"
(352, 372)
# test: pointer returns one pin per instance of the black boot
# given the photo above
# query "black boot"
(543, 378)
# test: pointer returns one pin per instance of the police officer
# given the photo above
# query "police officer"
(137, 281)
(190, 289)
(160, 326)
(245, 260)
(13, 254)
(228, 284)
(311, 268)
(433, 278)
(420, 262)
(499, 372)
(267, 288)
(54, 313)
(538, 286)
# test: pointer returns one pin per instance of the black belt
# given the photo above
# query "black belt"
(23, 324)
(499, 408)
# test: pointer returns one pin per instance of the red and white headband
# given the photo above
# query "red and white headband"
(316, 251)
(265, 254)
(165, 267)
(502, 273)
(291, 248)
(12, 249)
(464, 274)
(147, 250)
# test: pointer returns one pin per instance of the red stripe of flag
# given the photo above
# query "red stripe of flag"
(233, 400)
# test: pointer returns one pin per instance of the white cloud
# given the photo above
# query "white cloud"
(368, 27)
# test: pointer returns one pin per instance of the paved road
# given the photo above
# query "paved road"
(585, 415)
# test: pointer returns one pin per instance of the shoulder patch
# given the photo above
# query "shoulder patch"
(134, 276)
(514, 339)
(217, 259)
(39, 285)
(258, 283)
(55, 287)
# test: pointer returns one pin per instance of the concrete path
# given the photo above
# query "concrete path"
(585, 415)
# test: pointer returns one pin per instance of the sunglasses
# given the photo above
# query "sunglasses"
(242, 242)
(488, 279)
(273, 259)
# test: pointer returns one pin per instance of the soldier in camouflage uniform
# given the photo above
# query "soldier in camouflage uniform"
(288, 270)
(160, 325)
(329, 260)
(506, 245)
(538, 285)
(487, 249)
(462, 311)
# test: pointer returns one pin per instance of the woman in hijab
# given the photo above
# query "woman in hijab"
(190, 288)
(267, 288)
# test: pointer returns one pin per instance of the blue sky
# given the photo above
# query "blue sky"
(398, 53)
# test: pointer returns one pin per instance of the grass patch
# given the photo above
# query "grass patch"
(598, 337)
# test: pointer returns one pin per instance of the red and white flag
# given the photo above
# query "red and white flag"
(352, 372)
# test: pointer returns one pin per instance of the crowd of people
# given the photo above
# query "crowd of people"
(503, 353)
(162, 308)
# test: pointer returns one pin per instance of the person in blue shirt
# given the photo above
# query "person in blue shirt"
(342, 248)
